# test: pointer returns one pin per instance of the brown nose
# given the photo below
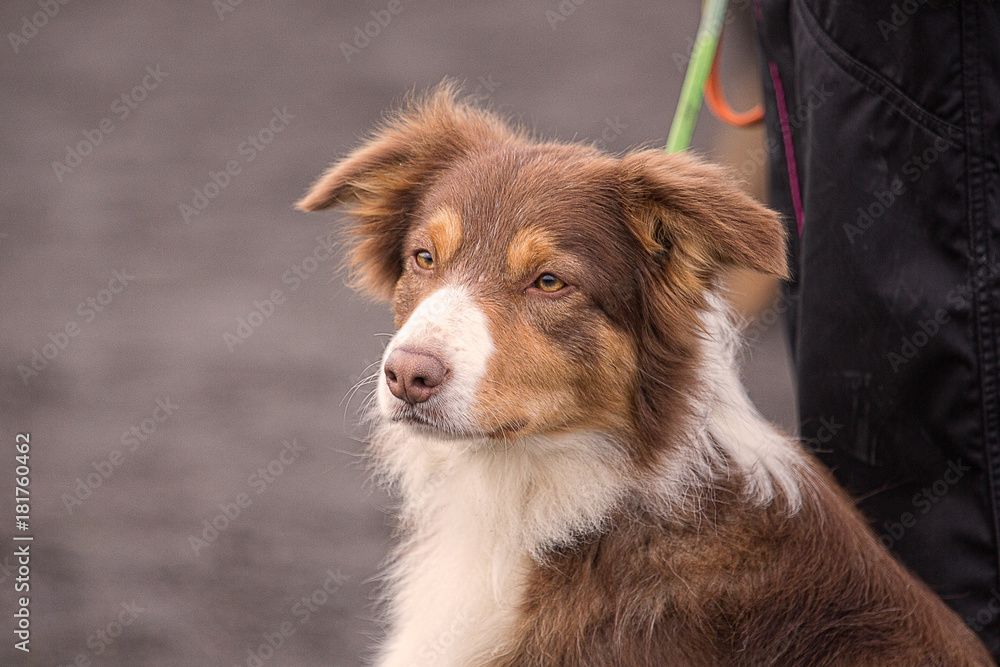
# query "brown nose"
(414, 376)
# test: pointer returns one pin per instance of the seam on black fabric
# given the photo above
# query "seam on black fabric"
(878, 85)
(983, 314)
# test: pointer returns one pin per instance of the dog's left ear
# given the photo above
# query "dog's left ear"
(687, 207)
(382, 180)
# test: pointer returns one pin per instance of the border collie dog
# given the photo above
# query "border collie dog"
(582, 478)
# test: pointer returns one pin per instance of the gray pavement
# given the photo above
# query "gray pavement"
(149, 156)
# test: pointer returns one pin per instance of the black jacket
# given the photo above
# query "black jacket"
(884, 118)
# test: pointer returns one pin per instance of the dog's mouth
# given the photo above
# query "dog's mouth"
(431, 420)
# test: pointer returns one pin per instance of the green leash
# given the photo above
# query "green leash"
(713, 15)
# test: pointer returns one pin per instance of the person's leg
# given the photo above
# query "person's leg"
(885, 124)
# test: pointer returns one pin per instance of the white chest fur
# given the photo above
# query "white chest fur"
(477, 518)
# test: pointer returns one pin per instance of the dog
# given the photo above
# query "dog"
(582, 478)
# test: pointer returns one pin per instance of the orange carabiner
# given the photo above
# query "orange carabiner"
(716, 102)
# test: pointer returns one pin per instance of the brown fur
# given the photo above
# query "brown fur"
(639, 240)
(445, 229)
(738, 587)
(530, 248)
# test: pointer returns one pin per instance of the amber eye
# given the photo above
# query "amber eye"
(425, 260)
(549, 283)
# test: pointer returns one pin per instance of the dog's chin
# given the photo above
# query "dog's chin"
(429, 422)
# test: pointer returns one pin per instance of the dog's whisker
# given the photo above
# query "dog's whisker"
(346, 401)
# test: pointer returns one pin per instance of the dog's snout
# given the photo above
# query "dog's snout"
(414, 376)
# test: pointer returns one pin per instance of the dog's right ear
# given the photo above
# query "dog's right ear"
(382, 180)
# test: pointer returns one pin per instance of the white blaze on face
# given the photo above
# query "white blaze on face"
(449, 325)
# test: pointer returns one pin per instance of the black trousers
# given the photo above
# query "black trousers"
(884, 128)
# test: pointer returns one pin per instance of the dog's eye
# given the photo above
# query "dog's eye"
(549, 283)
(424, 259)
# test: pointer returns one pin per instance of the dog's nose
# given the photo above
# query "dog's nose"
(414, 376)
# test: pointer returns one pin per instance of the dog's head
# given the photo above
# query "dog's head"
(538, 287)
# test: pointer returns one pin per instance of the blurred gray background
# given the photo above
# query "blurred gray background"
(147, 422)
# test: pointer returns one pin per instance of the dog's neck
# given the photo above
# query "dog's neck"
(534, 493)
